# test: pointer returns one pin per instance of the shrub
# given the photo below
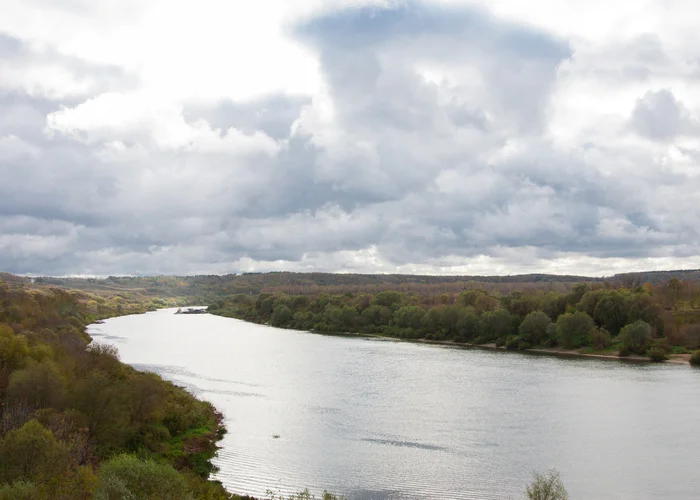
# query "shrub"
(125, 476)
(695, 358)
(500, 342)
(636, 336)
(512, 343)
(547, 486)
(657, 355)
(524, 346)
(623, 352)
(599, 338)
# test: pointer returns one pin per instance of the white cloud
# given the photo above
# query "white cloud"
(445, 136)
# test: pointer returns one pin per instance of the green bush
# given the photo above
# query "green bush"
(524, 346)
(636, 336)
(695, 358)
(512, 343)
(500, 342)
(623, 352)
(657, 355)
(127, 477)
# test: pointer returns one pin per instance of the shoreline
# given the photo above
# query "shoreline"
(676, 359)
(559, 352)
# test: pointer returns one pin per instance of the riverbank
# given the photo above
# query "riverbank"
(555, 351)
(560, 352)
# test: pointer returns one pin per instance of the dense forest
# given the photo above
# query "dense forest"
(656, 320)
(76, 423)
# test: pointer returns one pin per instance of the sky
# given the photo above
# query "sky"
(142, 137)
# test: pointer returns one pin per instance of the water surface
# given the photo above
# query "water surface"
(378, 419)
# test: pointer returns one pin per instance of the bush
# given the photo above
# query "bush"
(547, 486)
(125, 476)
(623, 352)
(512, 343)
(636, 336)
(500, 342)
(599, 338)
(524, 346)
(695, 358)
(657, 355)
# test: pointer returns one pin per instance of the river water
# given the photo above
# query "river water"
(378, 419)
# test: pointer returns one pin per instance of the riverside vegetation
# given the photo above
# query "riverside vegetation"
(76, 423)
(655, 321)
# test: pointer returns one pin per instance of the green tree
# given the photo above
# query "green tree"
(636, 336)
(468, 327)
(125, 477)
(282, 315)
(19, 490)
(611, 311)
(30, 453)
(573, 329)
(533, 329)
(40, 385)
(496, 324)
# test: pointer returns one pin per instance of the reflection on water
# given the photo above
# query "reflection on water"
(375, 419)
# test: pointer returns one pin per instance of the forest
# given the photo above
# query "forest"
(659, 320)
(76, 423)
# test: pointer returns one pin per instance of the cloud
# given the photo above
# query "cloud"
(433, 137)
(660, 117)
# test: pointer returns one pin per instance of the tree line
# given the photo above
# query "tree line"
(594, 316)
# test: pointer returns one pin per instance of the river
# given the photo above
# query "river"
(379, 419)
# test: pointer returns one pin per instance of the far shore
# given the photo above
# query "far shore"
(555, 351)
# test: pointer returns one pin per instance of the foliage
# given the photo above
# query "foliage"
(636, 336)
(127, 477)
(533, 329)
(547, 486)
(68, 405)
(695, 358)
(657, 355)
(573, 329)
(599, 338)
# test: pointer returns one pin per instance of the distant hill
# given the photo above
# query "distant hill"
(208, 287)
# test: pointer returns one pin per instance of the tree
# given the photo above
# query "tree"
(547, 486)
(30, 453)
(496, 324)
(19, 490)
(282, 315)
(41, 385)
(611, 311)
(468, 327)
(636, 336)
(127, 477)
(599, 338)
(533, 329)
(573, 329)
